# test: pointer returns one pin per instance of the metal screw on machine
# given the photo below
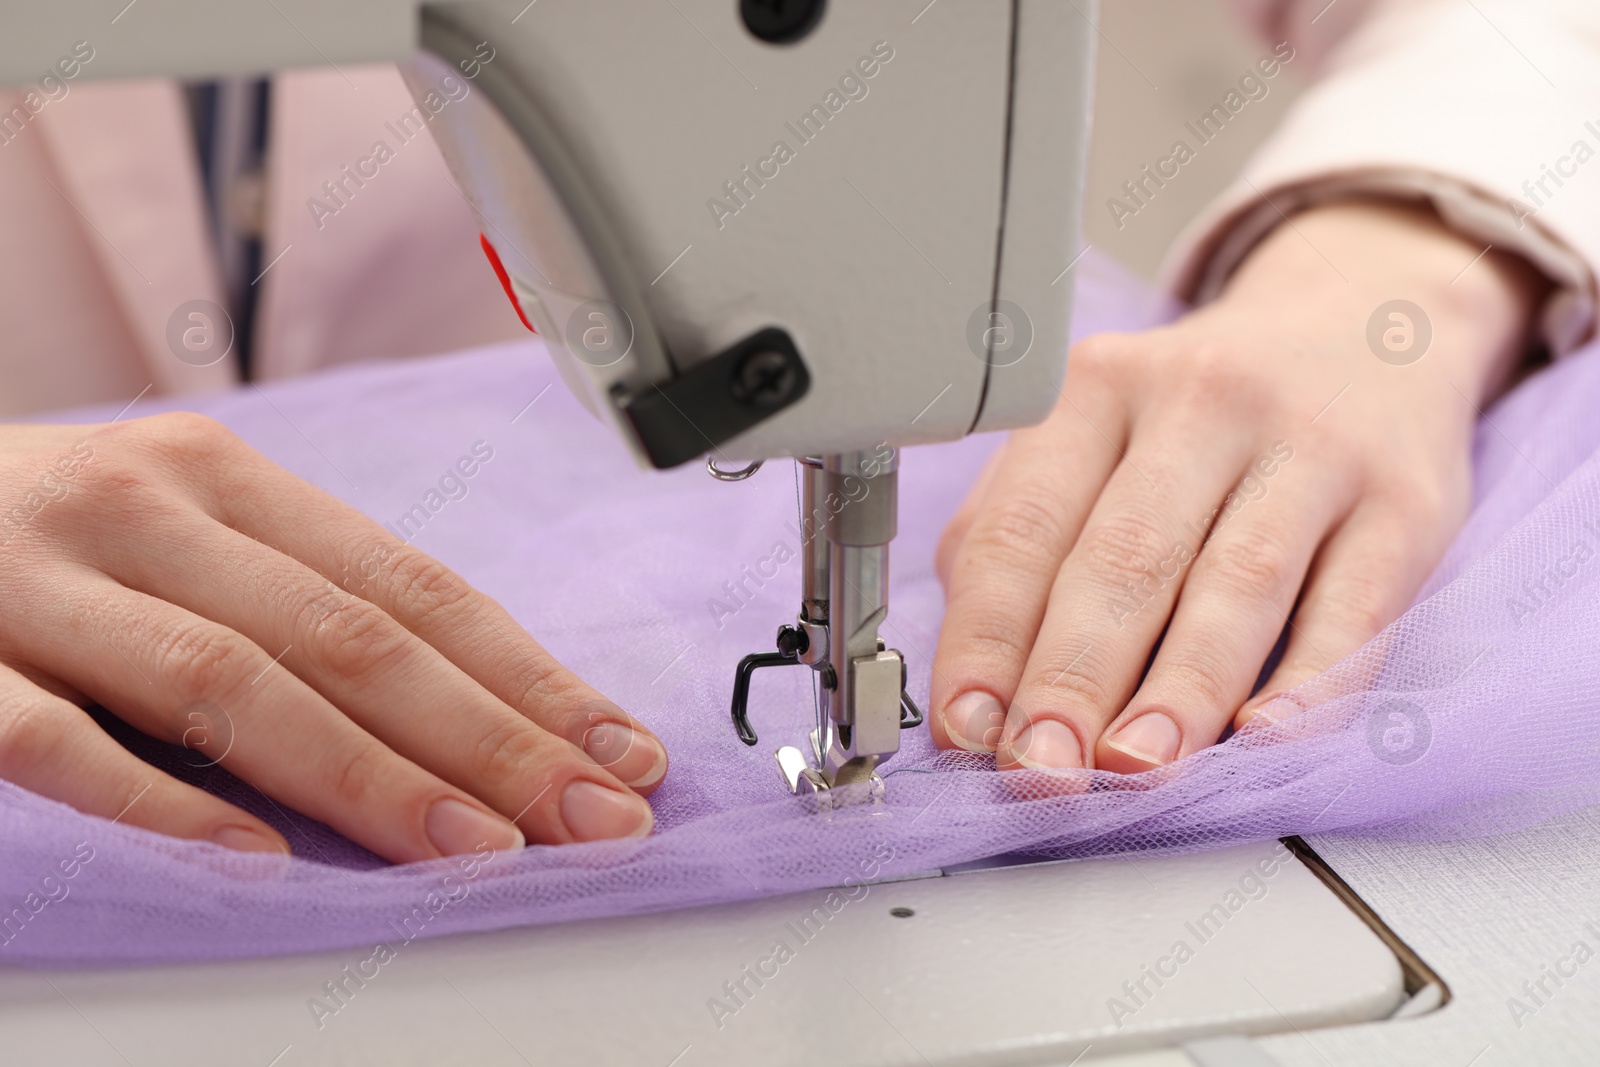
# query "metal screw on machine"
(765, 379)
(781, 21)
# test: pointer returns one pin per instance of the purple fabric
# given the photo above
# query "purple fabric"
(1472, 714)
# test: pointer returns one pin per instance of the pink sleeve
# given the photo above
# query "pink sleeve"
(1474, 107)
(371, 247)
(101, 240)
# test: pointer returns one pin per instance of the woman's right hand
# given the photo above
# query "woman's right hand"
(164, 570)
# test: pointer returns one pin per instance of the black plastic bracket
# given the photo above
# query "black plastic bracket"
(741, 690)
(718, 399)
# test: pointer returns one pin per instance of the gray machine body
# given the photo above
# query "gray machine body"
(899, 190)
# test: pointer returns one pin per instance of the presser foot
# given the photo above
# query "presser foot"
(815, 773)
(849, 785)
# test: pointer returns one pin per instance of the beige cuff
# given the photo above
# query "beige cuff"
(1428, 102)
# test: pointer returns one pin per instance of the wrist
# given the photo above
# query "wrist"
(1331, 267)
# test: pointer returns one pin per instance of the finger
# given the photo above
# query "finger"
(392, 684)
(1113, 597)
(1362, 580)
(53, 686)
(56, 750)
(1235, 601)
(955, 531)
(1000, 576)
(247, 492)
(153, 664)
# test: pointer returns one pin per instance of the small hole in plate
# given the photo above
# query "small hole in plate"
(901, 913)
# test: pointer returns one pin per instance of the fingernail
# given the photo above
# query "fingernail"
(247, 839)
(1274, 711)
(1153, 738)
(593, 813)
(1048, 744)
(457, 828)
(974, 721)
(632, 755)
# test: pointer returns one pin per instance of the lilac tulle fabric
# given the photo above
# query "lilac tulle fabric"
(1474, 713)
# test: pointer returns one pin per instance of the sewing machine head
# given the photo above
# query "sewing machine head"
(746, 229)
(786, 228)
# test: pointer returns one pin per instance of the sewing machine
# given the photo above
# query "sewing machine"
(703, 299)
(779, 325)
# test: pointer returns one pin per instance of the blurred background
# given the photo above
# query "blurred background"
(1162, 63)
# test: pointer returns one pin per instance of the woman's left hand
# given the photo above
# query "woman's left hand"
(1201, 485)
